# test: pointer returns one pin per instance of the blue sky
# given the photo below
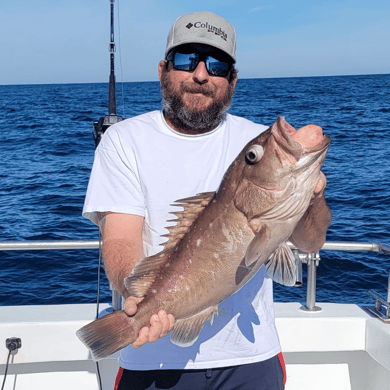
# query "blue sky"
(66, 41)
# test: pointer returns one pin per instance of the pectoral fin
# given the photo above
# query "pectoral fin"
(186, 331)
(280, 266)
(256, 247)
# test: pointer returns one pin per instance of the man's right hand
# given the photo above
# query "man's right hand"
(161, 323)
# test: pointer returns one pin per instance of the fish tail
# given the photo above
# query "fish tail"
(108, 334)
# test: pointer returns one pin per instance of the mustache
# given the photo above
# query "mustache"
(205, 89)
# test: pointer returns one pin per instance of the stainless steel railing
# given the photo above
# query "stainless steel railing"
(75, 244)
(47, 245)
(311, 259)
(357, 246)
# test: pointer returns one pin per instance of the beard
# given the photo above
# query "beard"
(194, 120)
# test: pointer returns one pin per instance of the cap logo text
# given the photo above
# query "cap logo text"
(210, 28)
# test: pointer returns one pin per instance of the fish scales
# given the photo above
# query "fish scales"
(222, 239)
(199, 244)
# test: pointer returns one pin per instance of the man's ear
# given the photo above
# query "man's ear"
(233, 77)
(161, 66)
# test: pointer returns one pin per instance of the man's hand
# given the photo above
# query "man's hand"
(310, 233)
(321, 184)
(160, 324)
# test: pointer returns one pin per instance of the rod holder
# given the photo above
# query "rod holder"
(312, 260)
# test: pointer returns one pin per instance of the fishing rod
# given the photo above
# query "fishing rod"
(101, 125)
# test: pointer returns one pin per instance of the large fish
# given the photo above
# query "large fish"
(222, 239)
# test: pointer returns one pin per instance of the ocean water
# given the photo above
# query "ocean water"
(47, 151)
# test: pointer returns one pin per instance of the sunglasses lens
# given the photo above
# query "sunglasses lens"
(189, 62)
(185, 61)
(217, 68)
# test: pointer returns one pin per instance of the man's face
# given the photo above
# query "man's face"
(195, 102)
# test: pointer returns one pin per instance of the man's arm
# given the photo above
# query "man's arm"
(122, 249)
(310, 233)
(122, 246)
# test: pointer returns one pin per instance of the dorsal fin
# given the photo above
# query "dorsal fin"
(144, 272)
(192, 207)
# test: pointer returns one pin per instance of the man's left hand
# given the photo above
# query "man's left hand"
(321, 184)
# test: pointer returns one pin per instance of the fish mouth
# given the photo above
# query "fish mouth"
(283, 134)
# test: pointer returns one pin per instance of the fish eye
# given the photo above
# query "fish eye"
(254, 154)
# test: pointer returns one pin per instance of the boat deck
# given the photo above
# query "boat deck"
(341, 347)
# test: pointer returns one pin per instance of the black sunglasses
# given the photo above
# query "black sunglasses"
(189, 61)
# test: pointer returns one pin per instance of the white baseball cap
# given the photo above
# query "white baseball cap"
(203, 27)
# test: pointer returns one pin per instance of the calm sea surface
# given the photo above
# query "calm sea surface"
(47, 149)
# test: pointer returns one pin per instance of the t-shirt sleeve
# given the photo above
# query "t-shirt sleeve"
(113, 184)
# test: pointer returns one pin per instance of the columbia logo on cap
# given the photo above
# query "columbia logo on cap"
(189, 25)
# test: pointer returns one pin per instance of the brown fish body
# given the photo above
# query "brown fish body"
(221, 240)
(199, 265)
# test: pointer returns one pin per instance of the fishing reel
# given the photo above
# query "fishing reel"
(100, 126)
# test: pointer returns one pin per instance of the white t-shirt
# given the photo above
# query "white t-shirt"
(141, 167)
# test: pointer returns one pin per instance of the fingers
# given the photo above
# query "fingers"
(130, 305)
(160, 325)
(143, 338)
(167, 322)
(321, 184)
(171, 322)
(156, 329)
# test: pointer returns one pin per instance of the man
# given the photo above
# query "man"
(143, 165)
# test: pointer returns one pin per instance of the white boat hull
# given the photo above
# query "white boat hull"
(340, 347)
